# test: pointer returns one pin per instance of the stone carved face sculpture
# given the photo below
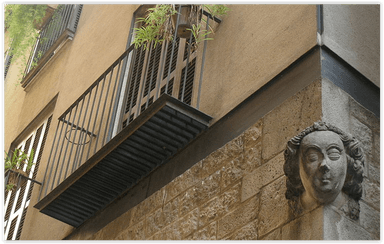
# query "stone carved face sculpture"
(322, 161)
(322, 165)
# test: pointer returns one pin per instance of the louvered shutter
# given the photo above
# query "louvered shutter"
(17, 202)
(150, 70)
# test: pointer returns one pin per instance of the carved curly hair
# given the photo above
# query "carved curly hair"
(355, 162)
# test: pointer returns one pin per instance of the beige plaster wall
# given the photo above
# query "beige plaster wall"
(100, 39)
(352, 31)
(13, 98)
(252, 45)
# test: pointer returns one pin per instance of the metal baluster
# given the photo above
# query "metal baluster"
(141, 93)
(173, 47)
(54, 159)
(62, 146)
(186, 68)
(202, 68)
(78, 159)
(76, 129)
(102, 113)
(112, 99)
(150, 81)
(97, 111)
(49, 161)
(134, 88)
(165, 46)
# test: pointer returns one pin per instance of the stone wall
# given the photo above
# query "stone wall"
(238, 191)
(344, 112)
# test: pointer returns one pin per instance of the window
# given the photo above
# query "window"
(61, 27)
(168, 67)
(7, 63)
(17, 202)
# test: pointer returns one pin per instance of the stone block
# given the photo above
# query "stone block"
(219, 205)
(364, 115)
(113, 229)
(214, 162)
(200, 193)
(376, 148)
(138, 213)
(218, 158)
(338, 227)
(162, 217)
(232, 172)
(252, 146)
(120, 237)
(189, 223)
(335, 103)
(171, 211)
(289, 118)
(274, 208)
(371, 193)
(307, 227)
(253, 133)
(364, 134)
(135, 232)
(374, 172)
(252, 183)
(242, 215)
(207, 233)
(155, 222)
(273, 235)
(370, 219)
(154, 201)
(234, 148)
(210, 211)
(183, 182)
(188, 201)
(247, 232)
(252, 156)
(209, 187)
(170, 232)
(312, 109)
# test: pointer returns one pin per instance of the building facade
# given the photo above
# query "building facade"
(120, 160)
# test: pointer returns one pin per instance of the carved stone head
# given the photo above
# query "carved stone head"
(321, 162)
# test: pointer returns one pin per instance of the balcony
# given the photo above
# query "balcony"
(56, 30)
(135, 117)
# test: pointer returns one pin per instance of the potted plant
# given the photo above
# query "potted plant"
(14, 168)
(21, 22)
(160, 23)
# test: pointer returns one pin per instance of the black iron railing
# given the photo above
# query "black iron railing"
(63, 20)
(126, 89)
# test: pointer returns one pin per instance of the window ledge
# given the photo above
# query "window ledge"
(48, 56)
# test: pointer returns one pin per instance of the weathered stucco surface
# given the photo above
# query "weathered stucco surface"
(250, 49)
(362, 50)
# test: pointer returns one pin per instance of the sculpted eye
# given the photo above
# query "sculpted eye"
(334, 154)
(312, 156)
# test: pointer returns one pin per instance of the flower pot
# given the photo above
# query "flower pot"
(48, 14)
(185, 21)
(16, 175)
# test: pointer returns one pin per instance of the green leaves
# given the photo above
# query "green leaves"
(18, 159)
(217, 10)
(157, 25)
(20, 21)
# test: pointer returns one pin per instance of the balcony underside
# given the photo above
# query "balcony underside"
(149, 141)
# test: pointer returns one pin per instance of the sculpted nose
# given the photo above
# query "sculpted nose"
(324, 168)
